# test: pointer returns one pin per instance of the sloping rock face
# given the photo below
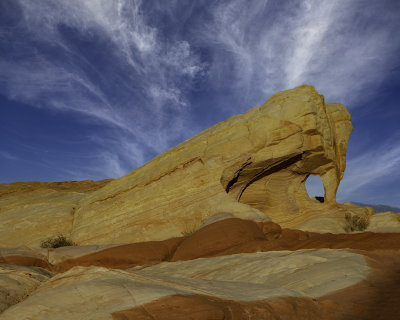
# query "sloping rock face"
(250, 166)
(32, 211)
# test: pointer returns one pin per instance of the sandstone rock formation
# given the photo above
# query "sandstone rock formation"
(92, 292)
(32, 211)
(251, 166)
(384, 222)
(166, 241)
(257, 271)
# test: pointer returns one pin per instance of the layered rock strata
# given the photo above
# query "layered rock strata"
(252, 166)
(254, 271)
(30, 212)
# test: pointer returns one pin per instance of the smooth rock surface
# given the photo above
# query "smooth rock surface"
(256, 270)
(308, 272)
(23, 256)
(96, 292)
(384, 222)
(377, 297)
(200, 307)
(17, 282)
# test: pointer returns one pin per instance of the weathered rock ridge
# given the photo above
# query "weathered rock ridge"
(251, 166)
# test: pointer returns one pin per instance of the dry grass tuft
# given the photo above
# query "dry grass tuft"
(57, 242)
(188, 232)
(356, 223)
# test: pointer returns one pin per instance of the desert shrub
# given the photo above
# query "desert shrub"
(57, 242)
(356, 223)
(187, 233)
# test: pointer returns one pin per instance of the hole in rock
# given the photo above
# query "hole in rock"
(315, 188)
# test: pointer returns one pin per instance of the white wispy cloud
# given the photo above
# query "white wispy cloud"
(333, 45)
(310, 27)
(8, 156)
(139, 92)
(157, 67)
(37, 80)
(123, 24)
(344, 48)
(371, 168)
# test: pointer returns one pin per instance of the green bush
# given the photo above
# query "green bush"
(57, 242)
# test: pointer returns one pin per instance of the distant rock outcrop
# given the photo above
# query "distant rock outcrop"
(378, 208)
(251, 166)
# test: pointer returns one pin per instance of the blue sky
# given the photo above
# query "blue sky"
(92, 89)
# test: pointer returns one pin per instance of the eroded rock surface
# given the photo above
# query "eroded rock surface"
(30, 212)
(251, 166)
(254, 269)
(17, 282)
(96, 292)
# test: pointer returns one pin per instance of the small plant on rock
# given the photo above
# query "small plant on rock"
(187, 233)
(356, 223)
(57, 242)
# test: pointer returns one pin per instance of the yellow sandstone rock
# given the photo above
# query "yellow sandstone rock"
(384, 222)
(33, 211)
(96, 292)
(251, 166)
(17, 282)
